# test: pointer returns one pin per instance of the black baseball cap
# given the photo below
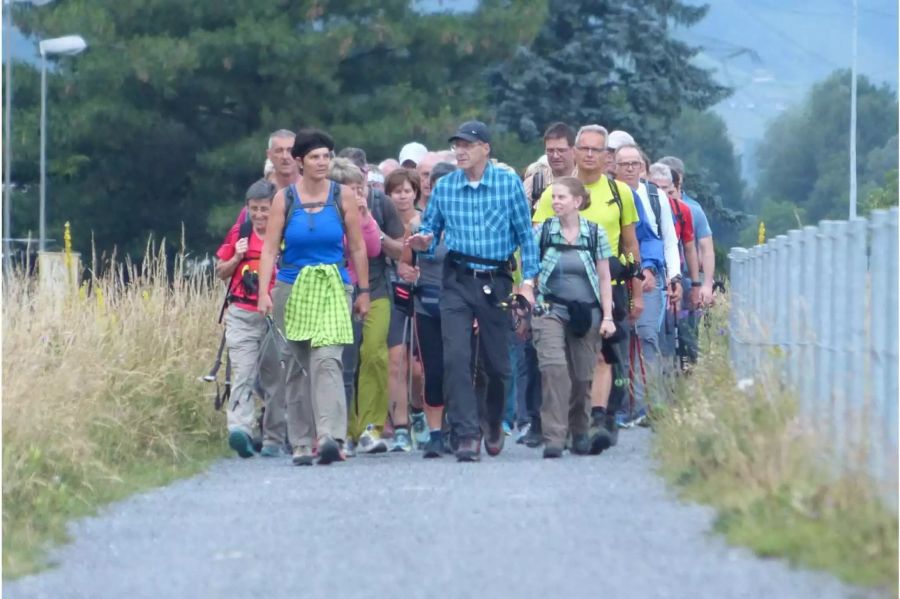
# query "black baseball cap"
(472, 131)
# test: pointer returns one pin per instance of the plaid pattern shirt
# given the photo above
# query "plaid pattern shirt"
(489, 220)
(552, 254)
(317, 309)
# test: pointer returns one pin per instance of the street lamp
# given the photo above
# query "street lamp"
(7, 140)
(68, 45)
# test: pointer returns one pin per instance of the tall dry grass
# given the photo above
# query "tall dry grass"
(100, 394)
(774, 479)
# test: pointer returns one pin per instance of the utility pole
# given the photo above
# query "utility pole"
(854, 53)
(7, 138)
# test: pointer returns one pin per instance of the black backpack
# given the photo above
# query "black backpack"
(653, 192)
(546, 242)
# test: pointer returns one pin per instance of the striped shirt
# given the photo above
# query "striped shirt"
(488, 219)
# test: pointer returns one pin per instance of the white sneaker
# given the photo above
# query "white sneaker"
(370, 441)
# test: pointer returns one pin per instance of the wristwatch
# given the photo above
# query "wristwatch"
(362, 290)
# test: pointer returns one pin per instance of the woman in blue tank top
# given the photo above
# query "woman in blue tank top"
(314, 314)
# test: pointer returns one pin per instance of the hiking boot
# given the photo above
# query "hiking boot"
(639, 418)
(469, 450)
(552, 452)
(613, 430)
(419, 427)
(271, 451)
(302, 456)
(402, 441)
(494, 439)
(349, 449)
(434, 448)
(533, 438)
(522, 432)
(371, 442)
(598, 435)
(581, 444)
(241, 442)
(329, 451)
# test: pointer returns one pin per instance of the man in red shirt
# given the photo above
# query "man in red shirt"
(245, 329)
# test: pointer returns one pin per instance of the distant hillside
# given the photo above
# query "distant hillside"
(772, 51)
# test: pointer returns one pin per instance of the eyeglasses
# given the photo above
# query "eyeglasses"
(629, 165)
(589, 150)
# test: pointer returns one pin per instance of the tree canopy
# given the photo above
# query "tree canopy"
(164, 119)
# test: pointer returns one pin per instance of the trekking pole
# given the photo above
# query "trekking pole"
(214, 371)
(677, 357)
(271, 323)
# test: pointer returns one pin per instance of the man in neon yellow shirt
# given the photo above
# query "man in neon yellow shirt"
(618, 218)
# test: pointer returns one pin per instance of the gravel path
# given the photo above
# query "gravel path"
(514, 526)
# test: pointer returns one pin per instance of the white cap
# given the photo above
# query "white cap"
(412, 151)
(373, 177)
(618, 139)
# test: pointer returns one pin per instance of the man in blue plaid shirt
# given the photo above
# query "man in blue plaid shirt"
(483, 214)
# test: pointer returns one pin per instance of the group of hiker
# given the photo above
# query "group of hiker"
(440, 302)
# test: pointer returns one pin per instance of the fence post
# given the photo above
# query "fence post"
(822, 408)
(856, 391)
(891, 397)
(808, 317)
(751, 315)
(781, 299)
(838, 287)
(737, 274)
(792, 314)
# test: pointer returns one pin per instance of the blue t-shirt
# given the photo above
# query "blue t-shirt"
(312, 239)
(651, 246)
(701, 224)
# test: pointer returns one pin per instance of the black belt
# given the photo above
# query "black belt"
(494, 266)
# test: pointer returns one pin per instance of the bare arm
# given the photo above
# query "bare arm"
(406, 254)
(355, 241)
(225, 268)
(707, 260)
(690, 256)
(393, 248)
(605, 286)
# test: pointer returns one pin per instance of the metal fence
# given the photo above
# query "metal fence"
(819, 307)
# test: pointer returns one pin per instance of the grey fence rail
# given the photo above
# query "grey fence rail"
(819, 307)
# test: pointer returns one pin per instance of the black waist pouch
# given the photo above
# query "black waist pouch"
(580, 314)
(403, 297)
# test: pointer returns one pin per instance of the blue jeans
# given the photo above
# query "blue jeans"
(647, 330)
(515, 410)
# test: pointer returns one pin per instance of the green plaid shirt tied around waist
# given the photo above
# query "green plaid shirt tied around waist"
(317, 309)
(552, 254)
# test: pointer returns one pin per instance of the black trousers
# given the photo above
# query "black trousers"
(463, 300)
(431, 352)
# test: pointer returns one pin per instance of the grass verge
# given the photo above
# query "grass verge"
(748, 454)
(100, 396)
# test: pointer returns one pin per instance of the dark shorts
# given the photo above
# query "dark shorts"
(400, 323)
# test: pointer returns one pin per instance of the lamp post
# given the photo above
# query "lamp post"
(68, 45)
(7, 139)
